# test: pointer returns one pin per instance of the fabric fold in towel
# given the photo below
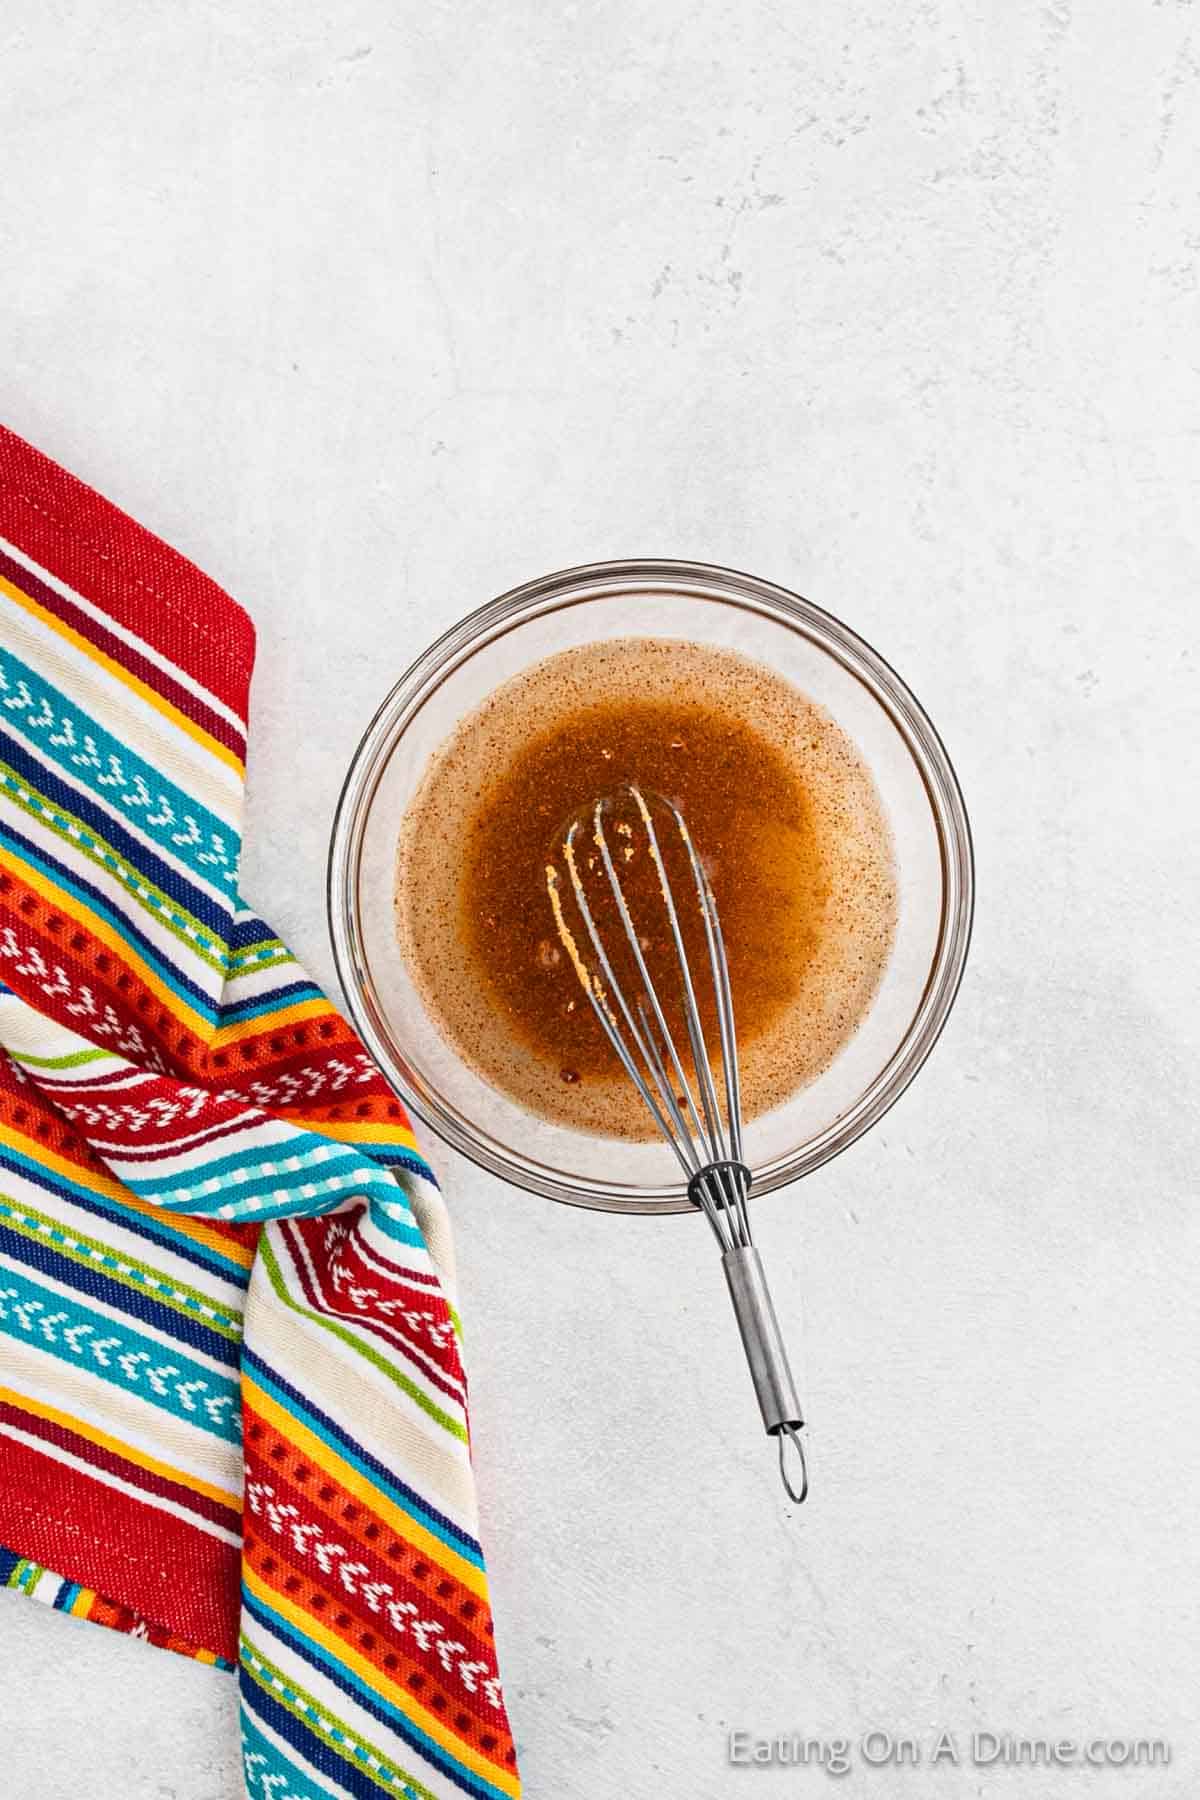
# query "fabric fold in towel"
(233, 1413)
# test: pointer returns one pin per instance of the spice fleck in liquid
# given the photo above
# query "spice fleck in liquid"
(778, 804)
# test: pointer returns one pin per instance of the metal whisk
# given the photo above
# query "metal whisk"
(707, 1144)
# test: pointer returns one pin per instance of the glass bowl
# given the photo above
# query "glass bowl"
(822, 658)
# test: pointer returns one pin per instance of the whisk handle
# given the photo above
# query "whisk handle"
(778, 1401)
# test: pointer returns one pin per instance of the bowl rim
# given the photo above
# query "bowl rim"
(574, 586)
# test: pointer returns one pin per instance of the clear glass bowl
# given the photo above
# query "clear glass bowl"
(824, 660)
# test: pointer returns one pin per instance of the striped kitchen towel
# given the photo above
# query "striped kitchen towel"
(232, 1407)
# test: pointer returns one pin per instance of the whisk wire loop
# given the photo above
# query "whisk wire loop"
(715, 1144)
(598, 993)
(635, 945)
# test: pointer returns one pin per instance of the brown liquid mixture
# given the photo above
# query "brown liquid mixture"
(745, 811)
(778, 804)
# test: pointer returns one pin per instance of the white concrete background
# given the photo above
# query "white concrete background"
(377, 309)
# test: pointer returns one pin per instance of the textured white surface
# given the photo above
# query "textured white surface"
(376, 309)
